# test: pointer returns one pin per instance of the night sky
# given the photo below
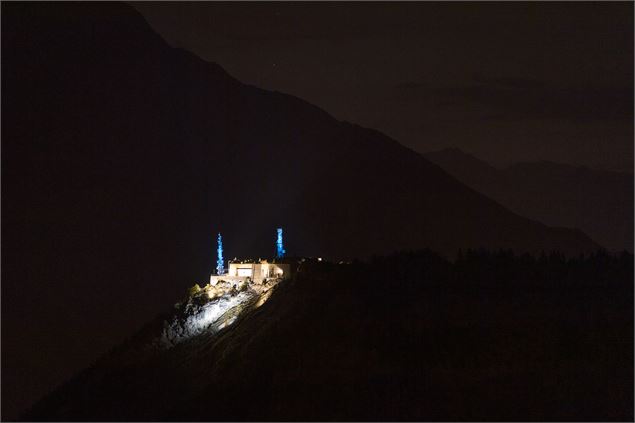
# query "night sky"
(506, 82)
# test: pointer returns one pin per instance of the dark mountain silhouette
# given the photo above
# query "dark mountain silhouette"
(125, 139)
(491, 337)
(598, 202)
(122, 158)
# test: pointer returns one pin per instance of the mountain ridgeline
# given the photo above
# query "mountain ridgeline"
(176, 148)
(598, 202)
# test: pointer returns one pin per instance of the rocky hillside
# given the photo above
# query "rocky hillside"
(409, 337)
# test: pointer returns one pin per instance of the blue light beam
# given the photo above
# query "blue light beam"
(220, 266)
(279, 247)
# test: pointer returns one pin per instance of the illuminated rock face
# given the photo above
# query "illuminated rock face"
(213, 308)
(211, 316)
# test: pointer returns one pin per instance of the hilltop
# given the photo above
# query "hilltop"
(412, 336)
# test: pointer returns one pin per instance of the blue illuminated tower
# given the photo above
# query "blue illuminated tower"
(220, 267)
(279, 247)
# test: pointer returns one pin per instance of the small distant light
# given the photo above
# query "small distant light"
(319, 258)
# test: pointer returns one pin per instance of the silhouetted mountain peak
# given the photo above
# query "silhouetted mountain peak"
(190, 136)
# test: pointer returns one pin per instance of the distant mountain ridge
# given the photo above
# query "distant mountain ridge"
(599, 202)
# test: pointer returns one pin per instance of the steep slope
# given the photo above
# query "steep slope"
(600, 203)
(411, 337)
(122, 157)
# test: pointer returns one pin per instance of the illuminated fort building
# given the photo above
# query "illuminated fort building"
(257, 271)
